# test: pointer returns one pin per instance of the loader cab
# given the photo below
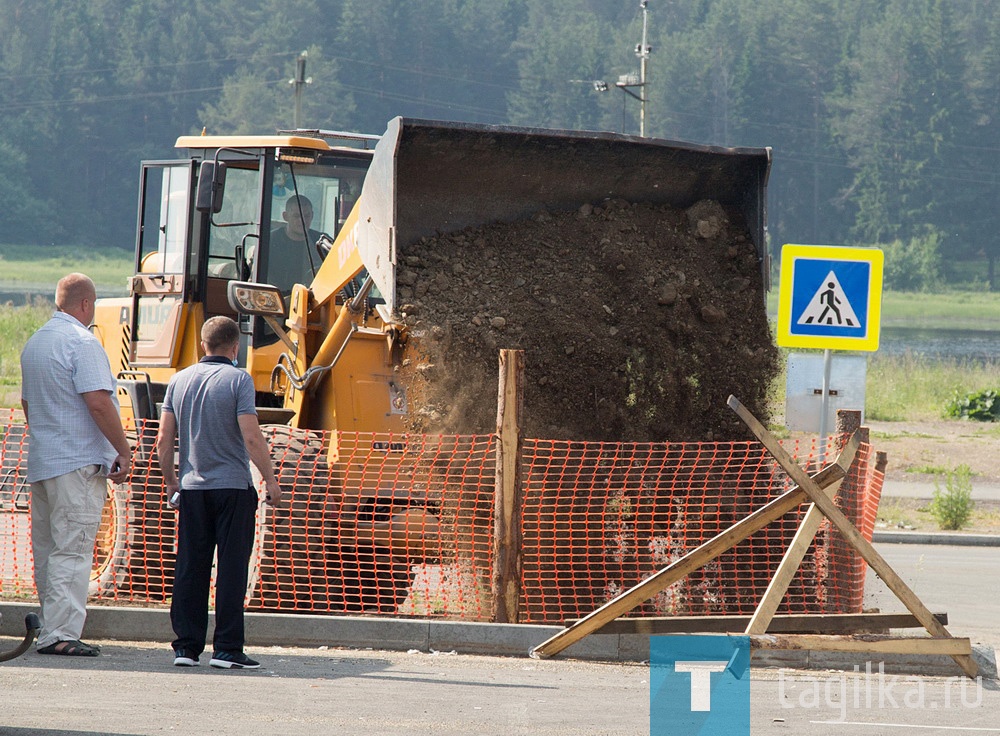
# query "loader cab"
(219, 215)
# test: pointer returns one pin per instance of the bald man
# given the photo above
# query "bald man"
(75, 443)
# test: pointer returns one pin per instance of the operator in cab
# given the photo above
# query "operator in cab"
(293, 256)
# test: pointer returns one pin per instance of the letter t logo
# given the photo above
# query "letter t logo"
(701, 680)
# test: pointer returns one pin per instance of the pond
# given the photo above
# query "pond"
(978, 345)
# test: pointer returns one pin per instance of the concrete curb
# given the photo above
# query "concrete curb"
(967, 540)
(465, 637)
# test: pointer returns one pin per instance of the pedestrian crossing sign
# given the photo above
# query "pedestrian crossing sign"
(830, 297)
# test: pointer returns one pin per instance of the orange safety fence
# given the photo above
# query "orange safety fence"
(403, 525)
(600, 517)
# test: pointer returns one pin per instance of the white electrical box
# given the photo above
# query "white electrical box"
(804, 389)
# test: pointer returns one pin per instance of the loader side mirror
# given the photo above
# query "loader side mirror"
(211, 185)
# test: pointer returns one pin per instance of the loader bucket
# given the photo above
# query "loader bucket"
(430, 177)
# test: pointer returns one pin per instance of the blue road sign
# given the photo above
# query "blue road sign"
(830, 297)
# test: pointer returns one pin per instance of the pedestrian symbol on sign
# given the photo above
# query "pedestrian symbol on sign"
(829, 306)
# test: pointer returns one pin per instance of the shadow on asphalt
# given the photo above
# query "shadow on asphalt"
(274, 662)
(35, 731)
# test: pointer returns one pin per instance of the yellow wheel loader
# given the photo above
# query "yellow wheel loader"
(298, 236)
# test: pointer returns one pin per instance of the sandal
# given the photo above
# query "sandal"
(71, 648)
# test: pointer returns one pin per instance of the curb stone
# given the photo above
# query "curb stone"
(951, 538)
(465, 637)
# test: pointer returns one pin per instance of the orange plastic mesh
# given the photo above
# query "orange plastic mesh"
(600, 517)
(327, 548)
(403, 525)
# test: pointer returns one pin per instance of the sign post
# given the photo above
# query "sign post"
(829, 298)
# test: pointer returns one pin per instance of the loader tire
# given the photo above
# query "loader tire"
(109, 547)
(301, 561)
(374, 582)
(294, 567)
(135, 555)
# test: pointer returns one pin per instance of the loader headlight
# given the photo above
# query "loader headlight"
(257, 299)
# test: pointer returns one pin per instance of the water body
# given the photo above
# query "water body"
(936, 344)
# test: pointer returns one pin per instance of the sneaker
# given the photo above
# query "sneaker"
(184, 658)
(233, 661)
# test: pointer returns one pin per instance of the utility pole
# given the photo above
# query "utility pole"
(626, 82)
(300, 82)
(642, 51)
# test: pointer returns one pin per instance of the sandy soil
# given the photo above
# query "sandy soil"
(920, 452)
(916, 450)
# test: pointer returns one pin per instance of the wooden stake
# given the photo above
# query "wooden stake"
(507, 553)
(789, 566)
(788, 623)
(951, 646)
(850, 533)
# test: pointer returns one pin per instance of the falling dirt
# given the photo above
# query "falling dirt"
(637, 321)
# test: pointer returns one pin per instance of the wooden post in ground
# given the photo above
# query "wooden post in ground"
(507, 553)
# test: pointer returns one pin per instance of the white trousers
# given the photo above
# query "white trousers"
(65, 517)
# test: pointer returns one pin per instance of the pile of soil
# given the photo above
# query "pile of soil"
(637, 322)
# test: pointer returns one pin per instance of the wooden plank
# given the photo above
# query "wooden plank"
(950, 645)
(693, 560)
(790, 563)
(507, 549)
(809, 623)
(850, 533)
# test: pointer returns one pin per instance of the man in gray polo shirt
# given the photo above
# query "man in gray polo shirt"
(75, 442)
(210, 408)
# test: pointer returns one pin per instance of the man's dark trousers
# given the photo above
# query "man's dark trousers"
(206, 519)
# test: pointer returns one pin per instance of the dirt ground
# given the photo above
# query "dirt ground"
(917, 449)
(921, 451)
(637, 321)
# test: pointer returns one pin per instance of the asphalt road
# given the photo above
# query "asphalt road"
(963, 582)
(133, 689)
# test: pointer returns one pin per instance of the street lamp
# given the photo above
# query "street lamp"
(627, 82)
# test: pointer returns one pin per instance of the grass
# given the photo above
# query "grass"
(915, 514)
(32, 271)
(909, 388)
(16, 325)
(36, 269)
(906, 387)
(929, 469)
(950, 310)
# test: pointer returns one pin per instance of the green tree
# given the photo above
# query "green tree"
(899, 121)
(562, 56)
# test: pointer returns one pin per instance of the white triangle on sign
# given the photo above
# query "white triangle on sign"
(829, 306)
